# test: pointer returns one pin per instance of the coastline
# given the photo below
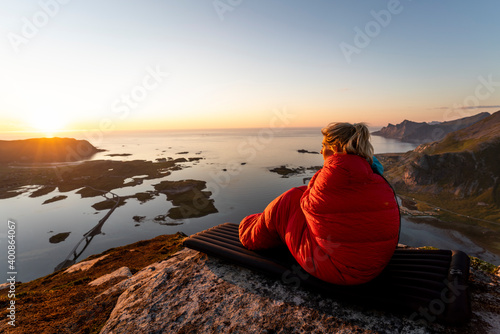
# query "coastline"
(229, 174)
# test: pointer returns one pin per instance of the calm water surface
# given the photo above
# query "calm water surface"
(246, 187)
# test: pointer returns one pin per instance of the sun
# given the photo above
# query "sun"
(47, 123)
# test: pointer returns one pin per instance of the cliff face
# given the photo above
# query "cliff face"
(463, 165)
(45, 150)
(413, 132)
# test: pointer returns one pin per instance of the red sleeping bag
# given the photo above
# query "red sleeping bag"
(342, 228)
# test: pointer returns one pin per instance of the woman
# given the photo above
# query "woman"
(343, 227)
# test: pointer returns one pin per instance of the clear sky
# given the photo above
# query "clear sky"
(123, 64)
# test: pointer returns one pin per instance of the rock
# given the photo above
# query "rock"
(138, 218)
(285, 171)
(306, 151)
(59, 237)
(175, 290)
(191, 292)
(84, 265)
(122, 272)
(160, 218)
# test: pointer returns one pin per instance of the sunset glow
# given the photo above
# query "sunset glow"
(47, 123)
(187, 64)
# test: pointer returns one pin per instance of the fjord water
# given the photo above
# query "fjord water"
(235, 164)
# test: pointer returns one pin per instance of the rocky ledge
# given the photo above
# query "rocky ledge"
(156, 286)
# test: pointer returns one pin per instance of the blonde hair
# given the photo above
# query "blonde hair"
(350, 138)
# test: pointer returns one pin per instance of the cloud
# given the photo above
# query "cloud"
(471, 107)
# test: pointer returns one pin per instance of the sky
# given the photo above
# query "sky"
(192, 64)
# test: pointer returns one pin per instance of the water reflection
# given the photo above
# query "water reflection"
(87, 237)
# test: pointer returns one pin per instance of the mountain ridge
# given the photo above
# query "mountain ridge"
(422, 132)
(460, 171)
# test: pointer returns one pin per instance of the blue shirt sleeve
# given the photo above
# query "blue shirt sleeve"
(377, 166)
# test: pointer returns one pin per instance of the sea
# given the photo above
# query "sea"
(235, 163)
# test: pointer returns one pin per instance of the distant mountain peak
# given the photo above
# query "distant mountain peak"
(423, 132)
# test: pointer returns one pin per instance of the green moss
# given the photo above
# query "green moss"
(428, 248)
(424, 207)
(483, 265)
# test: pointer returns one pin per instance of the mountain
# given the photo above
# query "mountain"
(474, 137)
(413, 132)
(45, 150)
(460, 171)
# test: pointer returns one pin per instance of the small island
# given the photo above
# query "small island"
(285, 171)
(45, 150)
(306, 151)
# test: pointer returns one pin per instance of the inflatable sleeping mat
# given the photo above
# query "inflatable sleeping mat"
(433, 284)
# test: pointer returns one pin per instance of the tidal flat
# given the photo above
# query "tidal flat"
(98, 177)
